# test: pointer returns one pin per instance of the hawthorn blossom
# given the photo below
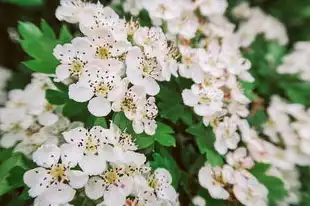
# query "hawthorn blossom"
(120, 148)
(226, 134)
(53, 182)
(85, 148)
(215, 179)
(73, 58)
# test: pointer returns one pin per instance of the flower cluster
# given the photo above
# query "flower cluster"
(28, 117)
(269, 26)
(116, 66)
(102, 161)
(297, 62)
(227, 183)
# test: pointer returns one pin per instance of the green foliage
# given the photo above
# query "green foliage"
(163, 135)
(205, 140)
(25, 2)
(11, 171)
(39, 43)
(100, 121)
(274, 185)
(167, 161)
(56, 97)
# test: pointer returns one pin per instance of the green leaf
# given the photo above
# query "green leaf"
(56, 97)
(25, 2)
(163, 135)
(205, 139)
(15, 178)
(29, 31)
(204, 136)
(258, 119)
(274, 185)
(47, 30)
(166, 140)
(65, 35)
(144, 18)
(122, 122)
(100, 121)
(213, 157)
(73, 108)
(39, 44)
(5, 168)
(166, 161)
(144, 141)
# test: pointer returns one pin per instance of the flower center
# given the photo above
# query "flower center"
(111, 177)
(129, 105)
(102, 90)
(76, 67)
(91, 146)
(187, 60)
(59, 173)
(102, 52)
(204, 100)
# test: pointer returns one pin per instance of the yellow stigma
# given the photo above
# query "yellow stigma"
(103, 52)
(102, 90)
(204, 100)
(59, 173)
(90, 145)
(76, 67)
(111, 176)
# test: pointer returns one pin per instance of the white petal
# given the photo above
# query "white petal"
(59, 194)
(93, 164)
(71, 154)
(94, 188)
(48, 118)
(111, 199)
(99, 106)
(77, 179)
(76, 135)
(151, 86)
(150, 127)
(79, 93)
(163, 175)
(31, 177)
(10, 139)
(167, 193)
(134, 76)
(189, 98)
(62, 72)
(134, 158)
(46, 155)
(137, 126)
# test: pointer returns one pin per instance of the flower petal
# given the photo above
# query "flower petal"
(77, 179)
(79, 93)
(94, 188)
(99, 106)
(47, 155)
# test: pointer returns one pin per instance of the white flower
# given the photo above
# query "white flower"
(101, 81)
(143, 71)
(130, 103)
(73, 58)
(248, 190)
(212, 7)
(161, 181)
(145, 120)
(85, 148)
(71, 10)
(199, 201)
(106, 46)
(103, 18)
(120, 148)
(53, 182)
(133, 6)
(226, 134)
(113, 184)
(153, 41)
(240, 159)
(215, 179)
(205, 100)
(163, 9)
(186, 25)
(190, 64)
